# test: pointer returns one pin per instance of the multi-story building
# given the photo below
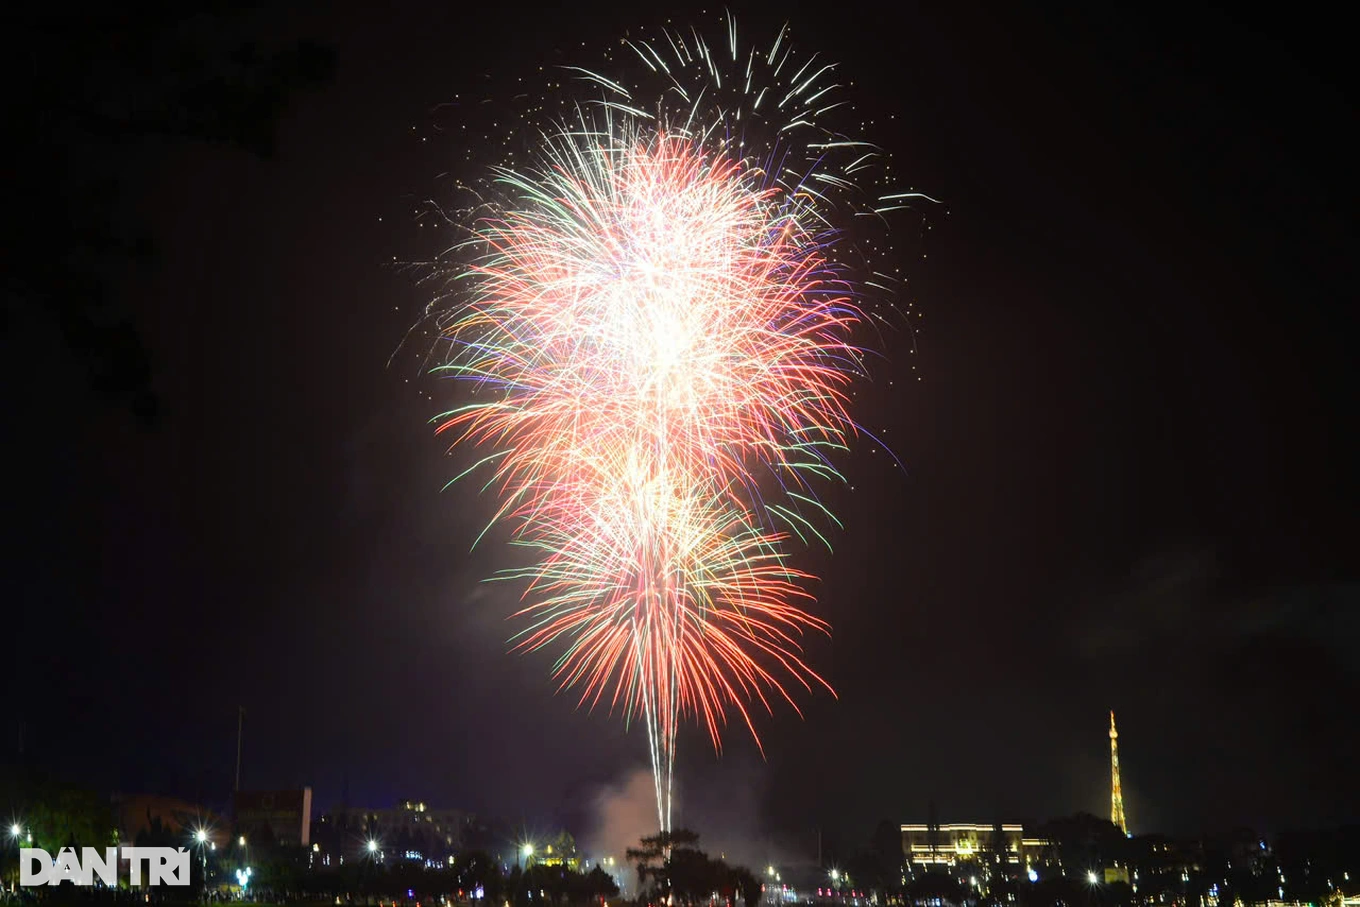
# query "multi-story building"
(927, 846)
(559, 851)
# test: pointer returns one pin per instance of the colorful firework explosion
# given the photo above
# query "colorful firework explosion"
(658, 334)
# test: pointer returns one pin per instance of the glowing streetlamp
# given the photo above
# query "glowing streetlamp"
(201, 838)
(1091, 877)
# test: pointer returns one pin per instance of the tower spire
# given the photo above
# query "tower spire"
(1116, 795)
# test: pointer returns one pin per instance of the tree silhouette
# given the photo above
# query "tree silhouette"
(1085, 842)
(674, 869)
(654, 853)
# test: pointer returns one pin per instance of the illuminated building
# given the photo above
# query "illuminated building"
(952, 845)
(1116, 795)
(1116, 873)
(559, 850)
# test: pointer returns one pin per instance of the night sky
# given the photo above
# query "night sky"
(1126, 480)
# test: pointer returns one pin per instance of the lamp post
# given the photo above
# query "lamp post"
(201, 839)
(16, 833)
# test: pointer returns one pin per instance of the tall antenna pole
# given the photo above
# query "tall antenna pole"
(240, 720)
(1116, 793)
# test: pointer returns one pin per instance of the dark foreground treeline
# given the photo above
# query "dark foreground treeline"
(283, 876)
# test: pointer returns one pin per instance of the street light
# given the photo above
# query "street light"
(1091, 877)
(372, 846)
(201, 837)
(14, 831)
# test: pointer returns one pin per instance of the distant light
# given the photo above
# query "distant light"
(835, 875)
(14, 831)
(1091, 877)
(200, 836)
(372, 846)
(242, 841)
(1033, 876)
(527, 850)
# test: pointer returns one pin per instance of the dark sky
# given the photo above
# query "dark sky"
(1126, 483)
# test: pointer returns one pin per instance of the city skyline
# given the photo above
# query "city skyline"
(300, 810)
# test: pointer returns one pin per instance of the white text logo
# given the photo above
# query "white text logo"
(163, 865)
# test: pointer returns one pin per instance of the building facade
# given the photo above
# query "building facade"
(947, 846)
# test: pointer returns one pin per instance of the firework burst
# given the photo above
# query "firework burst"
(658, 334)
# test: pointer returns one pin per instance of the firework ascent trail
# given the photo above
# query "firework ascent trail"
(655, 314)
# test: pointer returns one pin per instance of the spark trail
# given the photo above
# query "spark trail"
(658, 334)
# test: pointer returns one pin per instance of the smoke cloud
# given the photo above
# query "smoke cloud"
(723, 806)
(625, 812)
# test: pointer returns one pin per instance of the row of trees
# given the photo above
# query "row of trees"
(475, 876)
(284, 874)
